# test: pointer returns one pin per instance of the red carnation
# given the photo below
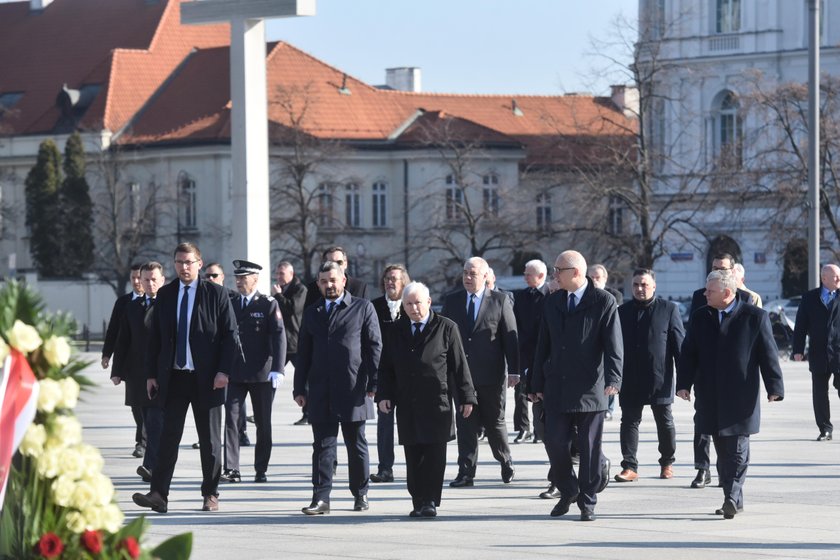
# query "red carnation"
(131, 546)
(49, 546)
(92, 540)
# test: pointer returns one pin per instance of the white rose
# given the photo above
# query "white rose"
(94, 517)
(49, 393)
(69, 393)
(84, 496)
(76, 521)
(32, 444)
(66, 429)
(92, 460)
(48, 462)
(4, 349)
(23, 337)
(72, 465)
(112, 518)
(62, 490)
(56, 350)
(103, 487)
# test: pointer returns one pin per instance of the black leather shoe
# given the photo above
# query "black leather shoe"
(507, 472)
(144, 473)
(587, 515)
(414, 513)
(361, 503)
(824, 436)
(536, 440)
(260, 477)
(729, 509)
(304, 421)
(605, 475)
(428, 510)
(551, 494)
(196, 445)
(703, 478)
(461, 481)
(523, 435)
(232, 476)
(317, 507)
(562, 506)
(140, 450)
(244, 440)
(720, 510)
(382, 476)
(250, 419)
(152, 500)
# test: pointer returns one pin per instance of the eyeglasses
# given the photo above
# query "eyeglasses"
(471, 274)
(558, 270)
(212, 275)
(185, 263)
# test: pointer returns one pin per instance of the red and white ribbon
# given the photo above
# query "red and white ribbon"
(18, 404)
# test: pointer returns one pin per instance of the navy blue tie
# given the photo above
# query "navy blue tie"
(181, 347)
(572, 302)
(471, 313)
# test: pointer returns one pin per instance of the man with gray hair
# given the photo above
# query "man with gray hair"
(728, 350)
(488, 329)
(739, 272)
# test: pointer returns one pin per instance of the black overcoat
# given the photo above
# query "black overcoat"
(130, 352)
(292, 301)
(821, 326)
(528, 306)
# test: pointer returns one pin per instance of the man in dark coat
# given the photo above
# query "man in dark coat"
(652, 331)
(338, 356)
(389, 309)
(130, 361)
(702, 442)
(257, 371)
(488, 330)
(527, 308)
(356, 287)
(192, 346)
(290, 294)
(577, 366)
(599, 276)
(109, 349)
(728, 344)
(818, 320)
(423, 367)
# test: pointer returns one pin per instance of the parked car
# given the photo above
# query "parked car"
(790, 306)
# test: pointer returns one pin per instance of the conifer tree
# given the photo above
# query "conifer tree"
(42, 209)
(76, 211)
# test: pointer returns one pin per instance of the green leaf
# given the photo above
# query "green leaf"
(178, 547)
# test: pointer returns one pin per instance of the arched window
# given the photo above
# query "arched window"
(727, 16)
(730, 131)
(188, 201)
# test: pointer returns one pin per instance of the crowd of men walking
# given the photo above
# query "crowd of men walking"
(566, 345)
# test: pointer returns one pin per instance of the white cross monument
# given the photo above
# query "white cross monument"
(251, 236)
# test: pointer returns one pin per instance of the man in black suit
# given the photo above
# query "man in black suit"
(389, 309)
(423, 368)
(108, 349)
(599, 275)
(338, 356)
(527, 308)
(702, 442)
(130, 360)
(192, 346)
(488, 330)
(256, 372)
(818, 319)
(355, 286)
(653, 333)
(577, 366)
(729, 348)
(290, 294)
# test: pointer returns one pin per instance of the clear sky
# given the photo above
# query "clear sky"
(462, 46)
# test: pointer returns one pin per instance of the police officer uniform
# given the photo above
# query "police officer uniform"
(255, 372)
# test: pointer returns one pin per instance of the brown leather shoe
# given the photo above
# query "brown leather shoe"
(211, 503)
(152, 500)
(627, 475)
(666, 472)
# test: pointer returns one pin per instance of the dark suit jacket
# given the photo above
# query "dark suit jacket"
(383, 313)
(722, 364)
(578, 353)
(619, 297)
(822, 327)
(292, 302)
(130, 352)
(652, 344)
(698, 300)
(493, 342)
(421, 378)
(337, 362)
(263, 340)
(213, 339)
(355, 286)
(114, 324)
(528, 309)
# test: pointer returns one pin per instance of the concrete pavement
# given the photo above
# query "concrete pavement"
(792, 496)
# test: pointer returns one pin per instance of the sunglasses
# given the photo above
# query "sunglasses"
(212, 275)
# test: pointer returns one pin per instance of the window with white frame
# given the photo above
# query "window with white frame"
(324, 206)
(454, 200)
(188, 207)
(727, 16)
(730, 131)
(379, 198)
(491, 194)
(544, 211)
(352, 205)
(134, 208)
(615, 216)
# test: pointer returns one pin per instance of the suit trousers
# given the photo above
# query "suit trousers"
(324, 457)
(631, 417)
(425, 464)
(819, 396)
(539, 420)
(733, 460)
(385, 439)
(521, 418)
(261, 398)
(183, 393)
(153, 424)
(702, 447)
(559, 434)
(490, 415)
(139, 428)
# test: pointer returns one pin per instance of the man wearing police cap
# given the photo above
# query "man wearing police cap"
(256, 371)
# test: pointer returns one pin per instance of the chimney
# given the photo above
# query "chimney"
(406, 78)
(38, 5)
(626, 98)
